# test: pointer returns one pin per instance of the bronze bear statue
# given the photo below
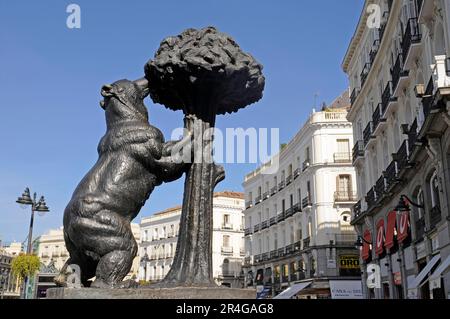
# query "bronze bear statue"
(133, 159)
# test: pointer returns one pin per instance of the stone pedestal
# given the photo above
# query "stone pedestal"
(151, 293)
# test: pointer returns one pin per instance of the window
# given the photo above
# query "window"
(343, 146)
(344, 186)
(226, 241)
(434, 187)
(275, 241)
(226, 219)
(172, 230)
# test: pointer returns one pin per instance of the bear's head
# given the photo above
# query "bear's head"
(124, 100)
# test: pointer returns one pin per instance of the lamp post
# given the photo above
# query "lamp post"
(36, 206)
(403, 204)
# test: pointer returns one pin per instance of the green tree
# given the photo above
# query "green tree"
(25, 265)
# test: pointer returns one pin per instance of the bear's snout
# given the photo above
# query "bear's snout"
(107, 90)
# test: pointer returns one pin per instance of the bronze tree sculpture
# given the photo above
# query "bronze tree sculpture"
(204, 73)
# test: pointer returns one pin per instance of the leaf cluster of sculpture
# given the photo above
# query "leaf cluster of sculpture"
(202, 72)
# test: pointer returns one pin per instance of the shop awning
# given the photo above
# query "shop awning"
(441, 269)
(293, 290)
(421, 276)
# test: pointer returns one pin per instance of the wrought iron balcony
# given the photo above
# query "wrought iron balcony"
(247, 231)
(402, 157)
(387, 97)
(378, 116)
(420, 228)
(297, 245)
(343, 196)
(428, 98)
(342, 157)
(391, 174)
(358, 150)
(380, 188)
(288, 179)
(265, 257)
(296, 173)
(371, 198)
(248, 204)
(435, 216)
(412, 35)
(281, 185)
(258, 259)
(264, 225)
(365, 72)
(368, 133)
(354, 95)
(357, 209)
(273, 221)
(383, 24)
(258, 200)
(265, 196)
(274, 190)
(297, 208)
(306, 202)
(289, 212)
(398, 71)
(257, 228)
(280, 252)
(281, 216)
(274, 254)
(306, 242)
(290, 249)
(412, 136)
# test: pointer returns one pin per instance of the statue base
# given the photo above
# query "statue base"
(151, 293)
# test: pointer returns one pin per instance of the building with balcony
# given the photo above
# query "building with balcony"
(297, 217)
(159, 236)
(400, 116)
(9, 284)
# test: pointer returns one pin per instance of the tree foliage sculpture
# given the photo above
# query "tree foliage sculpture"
(204, 73)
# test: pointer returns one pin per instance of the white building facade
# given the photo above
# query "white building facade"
(399, 79)
(159, 234)
(297, 220)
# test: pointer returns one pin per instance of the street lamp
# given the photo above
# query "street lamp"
(36, 206)
(403, 204)
(360, 242)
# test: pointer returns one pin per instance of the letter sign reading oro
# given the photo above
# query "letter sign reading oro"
(374, 19)
(373, 276)
(74, 19)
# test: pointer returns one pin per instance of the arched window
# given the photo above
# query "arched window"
(434, 190)
(419, 199)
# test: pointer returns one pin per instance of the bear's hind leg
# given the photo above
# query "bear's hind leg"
(112, 268)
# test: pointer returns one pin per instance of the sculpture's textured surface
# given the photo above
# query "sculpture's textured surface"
(133, 159)
(204, 73)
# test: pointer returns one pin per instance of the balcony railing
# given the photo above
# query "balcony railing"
(342, 157)
(266, 195)
(380, 188)
(265, 256)
(306, 202)
(386, 97)
(274, 190)
(264, 224)
(371, 198)
(258, 259)
(306, 242)
(280, 252)
(344, 196)
(281, 185)
(273, 221)
(383, 24)
(258, 200)
(402, 156)
(358, 150)
(391, 174)
(428, 98)
(248, 204)
(368, 133)
(412, 35)
(227, 226)
(398, 71)
(365, 73)
(354, 95)
(289, 212)
(345, 239)
(274, 254)
(374, 51)
(378, 116)
(297, 208)
(281, 216)
(420, 228)
(247, 231)
(357, 209)
(305, 164)
(296, 173)
(289, 249)
(412, 136)
(435, 216)
(227, 250)
(288, 179)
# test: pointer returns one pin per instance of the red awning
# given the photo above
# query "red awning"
(365, 253)
(379, 247)
(391, 222)
(403, 227)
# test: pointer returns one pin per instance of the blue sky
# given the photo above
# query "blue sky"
(50, 79)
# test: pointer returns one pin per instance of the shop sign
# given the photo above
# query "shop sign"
(349, 262)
